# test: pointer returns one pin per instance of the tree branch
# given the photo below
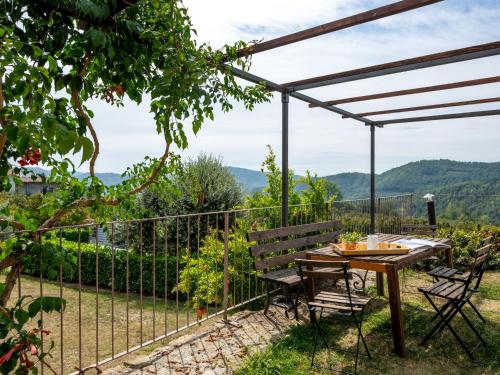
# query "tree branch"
(3, 137)
(77, 103)
(86, 202)
(10, 281)
(154, 173)
(75, 98)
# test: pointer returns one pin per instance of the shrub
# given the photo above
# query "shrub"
(203, 276)
(53, 256)
(465, 241)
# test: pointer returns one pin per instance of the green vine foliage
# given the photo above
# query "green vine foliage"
(202, 276)
(21, 347)
(55, 56)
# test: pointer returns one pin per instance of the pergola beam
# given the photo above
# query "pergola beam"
(418, 90)
(432, 106)
(494, 112)
(305, 98)
(420, 62)
(360, 18)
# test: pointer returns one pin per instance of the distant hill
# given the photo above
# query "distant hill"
(467, 190)
(462, 189)
(421, 176)
(251, 180)
(109, 178)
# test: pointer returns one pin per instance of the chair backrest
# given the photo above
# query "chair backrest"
(419, 230)
(324, 269)
(478, 266)
(281, 246)
(476, 269)
(486, 241)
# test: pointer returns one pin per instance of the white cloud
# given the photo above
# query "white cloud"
(321, 140)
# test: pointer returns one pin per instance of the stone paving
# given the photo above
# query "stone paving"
(215, 351)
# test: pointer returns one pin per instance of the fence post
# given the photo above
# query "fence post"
(226, 263)
(411, 208)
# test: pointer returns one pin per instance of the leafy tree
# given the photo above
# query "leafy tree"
(314, 195)
(318, 190)
(200, 185)
(271, 194)
(56, 56)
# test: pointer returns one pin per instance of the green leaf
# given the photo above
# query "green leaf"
(35, 307)
(87, 149)
(52, 64)
(22, 316)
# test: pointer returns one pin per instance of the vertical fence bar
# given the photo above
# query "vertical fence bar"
(97, 294)
(154, 279)
(112, 290)
(61, 314)
(216, 263)
(206, 268)
(165, 297)
(177, 275)
(127, 271)
(198, 259)
(188, 306)
(42, 367)
(19, 292)
(79, 300)
(226, 263)
(141, 243)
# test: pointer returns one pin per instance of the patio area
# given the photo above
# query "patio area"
(254, 344)
(123, 288)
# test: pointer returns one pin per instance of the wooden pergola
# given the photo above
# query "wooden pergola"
(293, 89)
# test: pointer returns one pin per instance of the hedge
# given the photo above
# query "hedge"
(72, 234)
(52, 256)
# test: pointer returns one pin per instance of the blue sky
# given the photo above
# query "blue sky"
(320, 140)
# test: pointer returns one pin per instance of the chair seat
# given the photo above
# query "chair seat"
(339, 301)
(444, 289)
(443, 272)
(287, 276)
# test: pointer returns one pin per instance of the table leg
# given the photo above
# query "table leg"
(396, 314)
(380, 283)
(310, 291)
(449, 257)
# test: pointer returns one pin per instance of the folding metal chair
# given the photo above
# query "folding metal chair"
(338, 303)
(442, 272)
(453, 274)
(456, 295)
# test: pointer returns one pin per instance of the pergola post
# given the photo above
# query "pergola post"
(380, 275)
(372, 179)
(285, 99)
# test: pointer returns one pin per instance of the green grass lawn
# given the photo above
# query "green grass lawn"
(100, 344)
(442, 355)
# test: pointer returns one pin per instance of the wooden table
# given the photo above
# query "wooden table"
(390, 265)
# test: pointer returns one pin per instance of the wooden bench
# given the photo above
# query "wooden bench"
(275, 253)
(419, 230)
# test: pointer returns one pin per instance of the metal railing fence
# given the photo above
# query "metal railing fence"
(152, 278)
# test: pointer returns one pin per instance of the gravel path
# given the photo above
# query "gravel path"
(215, 351)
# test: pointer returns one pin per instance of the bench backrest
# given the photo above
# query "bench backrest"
(281, 246)
(419, 230)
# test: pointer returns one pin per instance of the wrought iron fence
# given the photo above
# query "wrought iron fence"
(129, 284)
(391, 212)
